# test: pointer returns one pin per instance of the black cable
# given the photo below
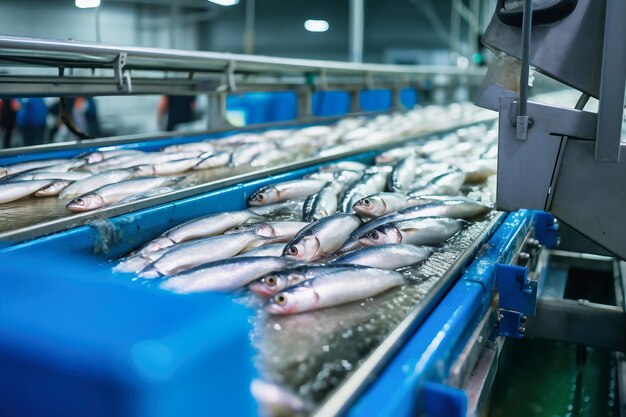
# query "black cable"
(66, 118)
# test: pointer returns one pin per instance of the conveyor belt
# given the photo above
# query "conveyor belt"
(34, 217)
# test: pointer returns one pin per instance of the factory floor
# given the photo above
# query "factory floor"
(542, 378)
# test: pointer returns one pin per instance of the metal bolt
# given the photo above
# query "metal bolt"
(523, 319)
(499, 318)
(522, 330)
(524, 256)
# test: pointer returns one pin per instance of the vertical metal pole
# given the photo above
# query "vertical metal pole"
(474, 28)
(356, 30)
(455, 29)
(522, 121)
(248, 42)
(174, 9)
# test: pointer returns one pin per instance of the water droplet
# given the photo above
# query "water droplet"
(277, 326)
(326, 348)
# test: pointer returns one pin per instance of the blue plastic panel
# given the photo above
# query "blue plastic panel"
(430, 352)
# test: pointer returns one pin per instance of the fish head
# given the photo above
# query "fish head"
(157, 244)
(295, 300)
(306, 249)
(86, 202)
(265, 195)
(372, 206)
(381, 236)
(241, 229)
(94, 157)
(144, 170)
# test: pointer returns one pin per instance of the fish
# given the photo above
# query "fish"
(379, 204)
(448, 183)
(194, 146)
(148, 158)
(30, 165)
(321, 204)
(54, 188)
(211, 225)
(270, 157)
(68, 175)
(94, 182)
(166, 168)
(270, 249)
(280, 232)
(191, 254)
(244, 154)
(274, 400)
(15, 189)
(403, 174)
(371, 183)
(386, 256)
(140, 196)
(332, 289)
(279, 280)
(344, 166)
(223, 276)
(478, 171)
(395, 154)
(113, 193)
(453, 207)
(289, 207)
(97, 156)
(214, 160)
(322, 237)
(289, 190)
(420, 231)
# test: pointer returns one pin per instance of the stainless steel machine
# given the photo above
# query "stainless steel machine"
(564, 160)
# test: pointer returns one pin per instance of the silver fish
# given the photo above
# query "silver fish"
(289, 207)
(166, 168)
(148, 158)
(244, 154)
(371, 183)
(449, 183)
(379, 204)
(344, 165)
(279, 232)
(30, 165)
(54, 188)
(16, 189)
(395, 154)
(270, 249)
(321, 204)
(223, 276)
(214, 160)
(147, 194)
(322, 237)
(335, 288)
(97, 156)
(279, 280)
(113, 193)
(453, 207)
(421, 231)
(272, 156)
(211, 225)
(478, 171)
(389, 256)
(69, 175)
(289, 190)
(403, 174)
(186, 147)
(190, 254)
(94, 182)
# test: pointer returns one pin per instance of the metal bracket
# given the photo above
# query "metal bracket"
(517, 299)
(122, 80)
(369, 81)
(322, 81)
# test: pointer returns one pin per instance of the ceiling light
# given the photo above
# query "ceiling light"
(225, 2)
(316, 25)
(87, 4)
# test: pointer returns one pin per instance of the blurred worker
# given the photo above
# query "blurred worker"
(85, 115)
(179, 109)
(8, 119)
(31, 119)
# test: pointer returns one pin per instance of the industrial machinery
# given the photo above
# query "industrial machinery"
(83, 340)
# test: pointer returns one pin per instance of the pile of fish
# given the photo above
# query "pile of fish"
(338, 235)
(115, 176)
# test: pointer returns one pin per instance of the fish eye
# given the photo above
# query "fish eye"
(280, 299)
(292, 250)
(374, 234)
(271, 280)
(366, 202)
(259, 197)
(79, 201)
